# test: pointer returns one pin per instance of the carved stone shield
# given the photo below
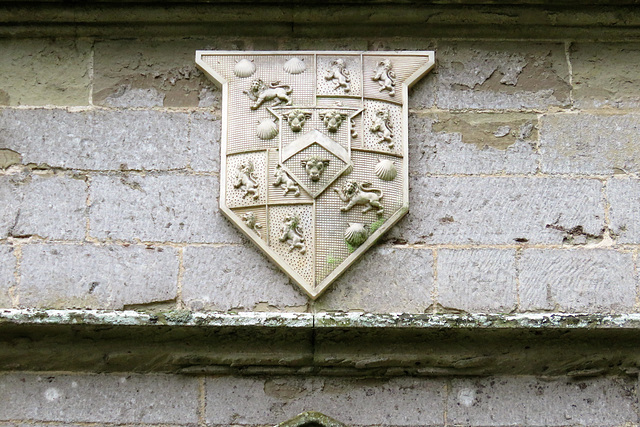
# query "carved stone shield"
(314, 162)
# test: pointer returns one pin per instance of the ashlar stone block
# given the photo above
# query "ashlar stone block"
(92, 276)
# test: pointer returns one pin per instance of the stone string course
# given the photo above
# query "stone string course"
(525, 193)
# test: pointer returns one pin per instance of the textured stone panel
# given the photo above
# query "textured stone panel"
(204, 137)
(123, 398)
(605, 74)
(7, 277)
(477, 280)
(585, 281)
(624, 212)
(45, 72)
(98, 139)
(500, 401)
(174, 208)
(501, 210)
(475, 143)
(386, 280)
(50, 206)
(590, 144)
(236, 277)
(397, 401)
(90, 276)
(502, 75)
(143, 73)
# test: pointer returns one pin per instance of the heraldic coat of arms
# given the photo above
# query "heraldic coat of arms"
(314, 164)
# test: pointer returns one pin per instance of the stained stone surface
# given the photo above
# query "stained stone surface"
(176, 208)
(477, 280)
(592, 281)
(7, 274)
(374, 285)
(226, 278)
(91, 276)
(99, 398)
(45, 71)
(500, 210)
(49, 206)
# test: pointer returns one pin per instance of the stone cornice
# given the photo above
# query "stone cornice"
(319, 344)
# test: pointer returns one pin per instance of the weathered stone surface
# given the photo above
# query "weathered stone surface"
(45, 72)
(174, 208)
(236, 278)
(398, 401)
(471, 143)
(143, 73)
(99, 398)
(624, 213)
(590, 144)
(7, 278)
(9, 158)
(605, 74)
(110, 140)
(91, 276)
(502, 75)
(386, 280)
(50, 206)
(499, 401)
(584, 281)
(204, 137)
(500, 210)
(477, 280)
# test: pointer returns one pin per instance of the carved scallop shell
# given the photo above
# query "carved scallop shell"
(244, 68)
(267, 129)
(386, 170)
(295, 66)
(356, 234)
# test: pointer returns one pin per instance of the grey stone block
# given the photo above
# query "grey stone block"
(585, 281)
(236, 277)
(500, 210)
(500, 401)
(157, 73)
(385, 280)
(477, 280)
(50, 206)
(7, 277)
(499, 76)
(123, 398)
(590, 144)
(397, 402)
(605, 74)
(174, 208)
(90, 276)
(45, 71)
(624, 212)
(204, 137)
(466, 143)
(98, 139)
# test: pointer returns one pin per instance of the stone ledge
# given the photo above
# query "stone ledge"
(343, 344)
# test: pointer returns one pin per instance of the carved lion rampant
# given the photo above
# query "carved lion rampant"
(260, 92)
(284, 181)
(382, 127)
(338, 72)
(315, 167)
(385, 77)
(292, 234)
(246, 180)
(355, 193)
(252, 222)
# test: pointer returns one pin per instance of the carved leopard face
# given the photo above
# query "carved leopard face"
(315, 167)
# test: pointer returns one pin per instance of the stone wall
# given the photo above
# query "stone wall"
(525, 198)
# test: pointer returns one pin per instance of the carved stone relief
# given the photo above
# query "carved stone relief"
(314, 152)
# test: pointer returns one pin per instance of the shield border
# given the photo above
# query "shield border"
(221, 82)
